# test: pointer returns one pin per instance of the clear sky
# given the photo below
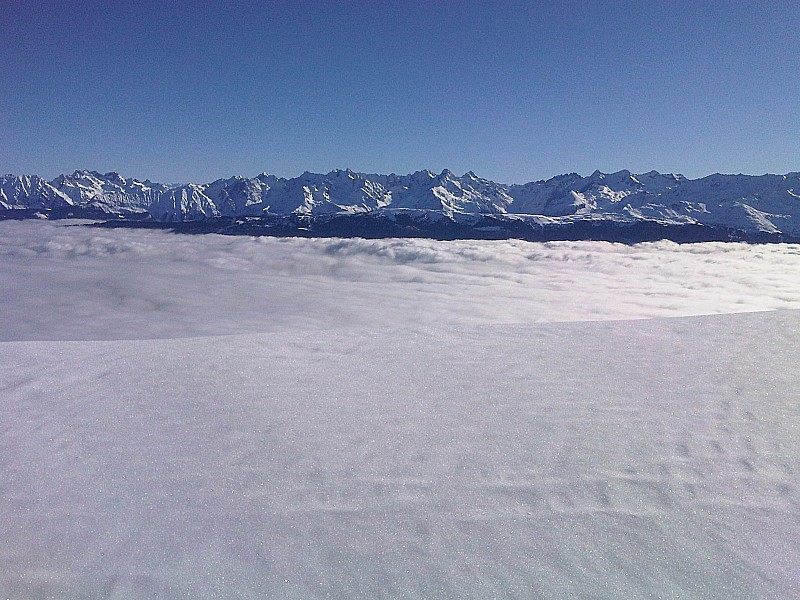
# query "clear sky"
(515, 91)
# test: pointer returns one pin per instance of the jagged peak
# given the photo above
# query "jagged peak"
(223, 180)
(421, 175)
(621, 175)
(557, 179)
(334, 192)
(343, 172)
(111, 176)
(24, 177)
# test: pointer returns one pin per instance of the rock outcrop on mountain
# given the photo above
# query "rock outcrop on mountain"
(767, 205)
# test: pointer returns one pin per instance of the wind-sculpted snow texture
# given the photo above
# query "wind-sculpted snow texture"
(767, 205)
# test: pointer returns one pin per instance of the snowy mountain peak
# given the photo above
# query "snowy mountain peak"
(769, 203)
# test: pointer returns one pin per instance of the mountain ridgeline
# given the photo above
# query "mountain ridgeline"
(618, 206)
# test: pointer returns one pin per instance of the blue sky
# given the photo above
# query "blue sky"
(514, 91)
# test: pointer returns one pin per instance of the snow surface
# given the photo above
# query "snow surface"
(395, 418)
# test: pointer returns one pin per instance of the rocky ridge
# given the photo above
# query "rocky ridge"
(741, 205)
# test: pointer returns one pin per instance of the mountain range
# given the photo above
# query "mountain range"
(617, 206)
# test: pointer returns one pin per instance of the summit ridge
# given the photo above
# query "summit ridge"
(765, 204)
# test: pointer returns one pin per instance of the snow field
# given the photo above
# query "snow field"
(372, 431)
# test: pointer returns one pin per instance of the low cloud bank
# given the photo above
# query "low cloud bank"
(74, 282)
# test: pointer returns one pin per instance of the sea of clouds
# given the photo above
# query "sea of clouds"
(67, 280)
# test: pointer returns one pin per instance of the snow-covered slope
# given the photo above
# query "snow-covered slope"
(23, 191)
(386, 418)
(768, 203)
(629, 459)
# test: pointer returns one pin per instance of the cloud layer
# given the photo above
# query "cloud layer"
(74, 282)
